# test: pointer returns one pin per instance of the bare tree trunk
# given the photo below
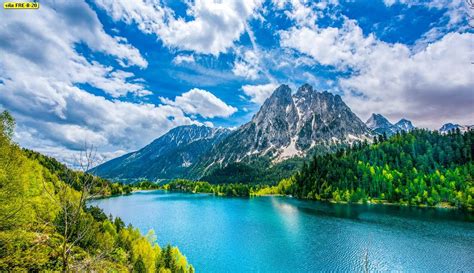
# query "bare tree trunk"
(64, 248)
(72, 208)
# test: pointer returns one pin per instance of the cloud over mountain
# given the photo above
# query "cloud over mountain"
(201, 102)
(118, 73)
(392, 77)
(44, 79)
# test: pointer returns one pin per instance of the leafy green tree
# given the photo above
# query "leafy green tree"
(139, 266)
(45, 227)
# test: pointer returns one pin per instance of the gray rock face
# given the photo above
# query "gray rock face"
(324, 117)
(378, 121)
(168, 156)
(287, 125)
(274, 122)
(290, 125)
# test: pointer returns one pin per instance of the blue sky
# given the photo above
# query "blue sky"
(118, 74)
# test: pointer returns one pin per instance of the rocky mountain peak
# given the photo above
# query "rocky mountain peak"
(380, 125)
(275, 106)
(404, 125)
(291, 125)
(285, 126)
(448, 127)
(304, 91)
(378, 121)
(281, 94)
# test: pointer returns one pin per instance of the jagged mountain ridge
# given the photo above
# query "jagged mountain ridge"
(290, 125)
(168, 156)
(447, 127)
(381, 125)
(287, 128)
(404, 125)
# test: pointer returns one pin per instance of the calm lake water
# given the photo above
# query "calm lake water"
(279, 234)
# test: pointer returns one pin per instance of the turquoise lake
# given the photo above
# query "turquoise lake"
(281, 234)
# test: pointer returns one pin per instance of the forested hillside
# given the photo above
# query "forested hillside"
(416, 168)
(101, 187)
(45, 225)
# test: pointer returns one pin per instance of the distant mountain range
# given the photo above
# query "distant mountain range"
(169, 156)
(446, 128)
(380, 125)
(287, 129)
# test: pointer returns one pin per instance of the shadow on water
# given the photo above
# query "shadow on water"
(182, 197)
(186, 196)
(359, 212)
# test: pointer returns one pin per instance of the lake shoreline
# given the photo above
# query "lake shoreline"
(442, 205)
(102, 196)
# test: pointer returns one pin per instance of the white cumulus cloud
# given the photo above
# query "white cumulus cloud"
(430, 82)
(432, 86)
(213, 29)
(41, 73)
(259, 93)
(201, 102)
(341, 47)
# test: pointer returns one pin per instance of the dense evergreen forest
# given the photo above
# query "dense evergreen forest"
(420, 168)
(46, 226)
(417, 168)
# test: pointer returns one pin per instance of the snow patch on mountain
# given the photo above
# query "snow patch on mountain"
(289, 151)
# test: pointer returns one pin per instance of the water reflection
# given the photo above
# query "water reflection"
(288, 213)
(354, 211)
